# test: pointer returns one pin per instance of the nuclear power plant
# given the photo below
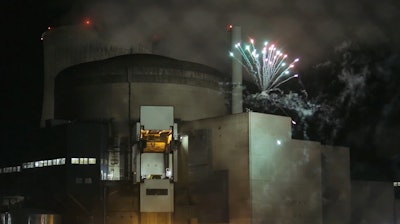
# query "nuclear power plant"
(133, 137)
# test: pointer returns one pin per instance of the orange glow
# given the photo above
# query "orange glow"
(156, 140)
(87, 22)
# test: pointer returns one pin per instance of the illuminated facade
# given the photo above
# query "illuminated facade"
(261, 175)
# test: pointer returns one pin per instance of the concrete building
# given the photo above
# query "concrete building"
(271, 178)
(143, 138)
(241, 168)
(373, 202)
(70, 45)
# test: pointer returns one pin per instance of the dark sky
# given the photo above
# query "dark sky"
(189, 30)
(192, 29)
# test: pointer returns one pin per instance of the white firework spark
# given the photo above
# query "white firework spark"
(268, 66)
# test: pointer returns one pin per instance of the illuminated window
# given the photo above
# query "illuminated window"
(74, 160)
(92, 160)
(83, 160)
(39, 163)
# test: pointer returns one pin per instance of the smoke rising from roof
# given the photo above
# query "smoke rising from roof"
(195, 30)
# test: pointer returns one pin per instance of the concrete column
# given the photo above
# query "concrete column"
(237, 95)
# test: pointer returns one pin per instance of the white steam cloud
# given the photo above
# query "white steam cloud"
(195, 30)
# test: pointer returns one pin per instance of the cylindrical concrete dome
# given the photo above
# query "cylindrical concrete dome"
(115, 88)
(70, 45)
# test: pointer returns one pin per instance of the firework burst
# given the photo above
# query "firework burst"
(267, 67)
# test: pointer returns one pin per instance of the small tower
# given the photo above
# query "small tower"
(237, 72)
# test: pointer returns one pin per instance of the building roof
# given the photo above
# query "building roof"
(140, 68)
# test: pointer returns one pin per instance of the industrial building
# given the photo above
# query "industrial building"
(133, 137)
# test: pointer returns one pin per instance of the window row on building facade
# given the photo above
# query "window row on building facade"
(46, 163)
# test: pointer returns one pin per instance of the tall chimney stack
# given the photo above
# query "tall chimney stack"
(237, 76)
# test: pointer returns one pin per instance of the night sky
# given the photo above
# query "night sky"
(196, 31)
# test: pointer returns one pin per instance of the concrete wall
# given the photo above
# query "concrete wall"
(272, 178)
(285, 174)
(111, 101)
(78, 48)
(228, 151)
(397, 210)
(336, 185)
(372, 202)
(71, 45)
